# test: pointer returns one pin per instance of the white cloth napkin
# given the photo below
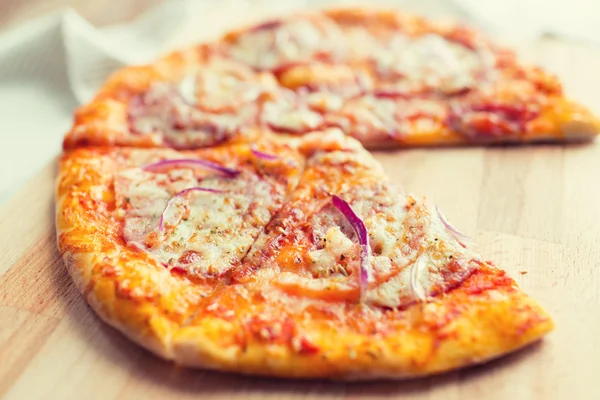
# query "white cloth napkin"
(51, 64)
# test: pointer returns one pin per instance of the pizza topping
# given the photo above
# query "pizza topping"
(338, 78)
(277, 43)
(460, 237)
(170, 110)
(400, 251)
(161, 221)
(367, 116)
(363, 238)
(289, 114)
(187, 89)
(324, 101)
(427, 63)
(225, 86)
(166, 165)
(377, 116)
(489, 120)
(150, 113)
(263, 155)
(202, 224)
(334, 254)
(425, 262)
(417, 268)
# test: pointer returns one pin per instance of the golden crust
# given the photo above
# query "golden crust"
(447, 333)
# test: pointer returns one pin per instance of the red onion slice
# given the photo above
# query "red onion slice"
(268, 25)
(190, 163)
(459, 236)
(263, 155)
(161, 221)
(419, 264)
(363, 237)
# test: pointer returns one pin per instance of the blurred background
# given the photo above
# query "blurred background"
(98, 12)
(55, 53)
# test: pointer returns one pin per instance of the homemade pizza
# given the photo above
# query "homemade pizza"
(295, 260)
(384, 78)
(219, 207)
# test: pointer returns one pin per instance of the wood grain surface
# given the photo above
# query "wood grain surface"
(534, 210)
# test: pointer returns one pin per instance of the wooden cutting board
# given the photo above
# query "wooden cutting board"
(535, 210)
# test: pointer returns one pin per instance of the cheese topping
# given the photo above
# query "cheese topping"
(367, 116)
(224, 85)
(204, 233)
(324, 101)
(375, 84)
(428, 62)
(294, 40)
(206, 107)
(336, 246)
(342, 79)
(163, 110)
(409, 64)
(289, 113)
(413, 256)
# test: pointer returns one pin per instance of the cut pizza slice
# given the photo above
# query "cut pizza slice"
(353, 280)
(148, 234)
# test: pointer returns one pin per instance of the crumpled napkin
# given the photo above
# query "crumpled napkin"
(51, 64)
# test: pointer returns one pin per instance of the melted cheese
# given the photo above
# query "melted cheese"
(336, 246)
(291, 40)
(428, 61)
(367, 115)
(223, 85)
(324, 101)
(413, 255)
(207, 106)
(204, 233)
(288, 114)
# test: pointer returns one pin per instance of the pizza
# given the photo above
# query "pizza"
(385, 78)
(291, 258)
(219, 207)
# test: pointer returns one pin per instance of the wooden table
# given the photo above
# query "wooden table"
(534, 210)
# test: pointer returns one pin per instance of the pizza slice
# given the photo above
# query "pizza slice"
(148, 234)
(291, 260)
